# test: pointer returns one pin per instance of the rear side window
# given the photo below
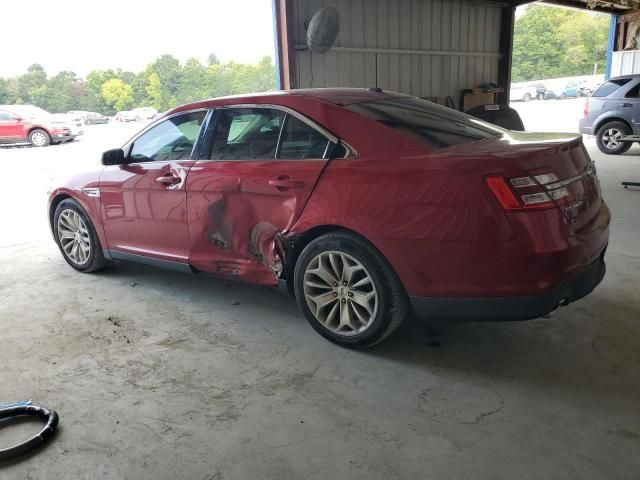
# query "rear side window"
(5, 115)
(300, 141)
(607, 88)
(438, 126)
(634, 92)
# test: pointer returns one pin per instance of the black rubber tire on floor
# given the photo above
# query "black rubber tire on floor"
(47, 137)
(393, 304)
(623, 147)
(96, 257)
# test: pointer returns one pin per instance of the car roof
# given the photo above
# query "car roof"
(625, 77)
(338, 96)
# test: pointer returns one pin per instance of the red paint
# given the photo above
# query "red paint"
(430, 213)
(17, 130)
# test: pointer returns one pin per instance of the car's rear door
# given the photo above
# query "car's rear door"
(144, 202)
(11, 129)
(257, 170)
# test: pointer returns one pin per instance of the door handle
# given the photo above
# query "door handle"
(285, 182)
(169, 179)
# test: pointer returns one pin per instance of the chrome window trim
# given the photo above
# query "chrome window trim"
(158, 121)
(288, 110)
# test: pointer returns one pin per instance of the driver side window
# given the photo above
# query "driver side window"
(172, 139)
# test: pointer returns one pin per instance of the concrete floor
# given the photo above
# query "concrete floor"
(161, 375)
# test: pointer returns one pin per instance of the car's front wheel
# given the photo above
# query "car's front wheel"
(77, 238)
(39, 138)
(347, 290)
(609, 135)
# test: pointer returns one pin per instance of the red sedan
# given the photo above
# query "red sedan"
(366, 205)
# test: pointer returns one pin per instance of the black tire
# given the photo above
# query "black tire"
(39, 137)
(96, 260)
(527, 97)
(607, 129)
(392, 302)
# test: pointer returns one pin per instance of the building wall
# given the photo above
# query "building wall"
(420, 47)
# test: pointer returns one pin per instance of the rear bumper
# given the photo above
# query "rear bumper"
(585, 126)
(512, 308)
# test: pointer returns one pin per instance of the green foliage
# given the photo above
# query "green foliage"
(552, 42)
(117, 94)
(164, 84)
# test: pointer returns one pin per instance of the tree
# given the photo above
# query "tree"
(212, 59)
(117, 94)
(164, 84)
(34, 78)
(553, 42)
(154, 90)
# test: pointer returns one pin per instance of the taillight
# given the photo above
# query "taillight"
(521, 193)
(586, 107)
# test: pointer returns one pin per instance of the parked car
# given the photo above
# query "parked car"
(76, 124)
(38, 132)
(571, 90)
(94, 118)
(144, 113)
(524, 93)
(35, 114)
(78, 115)
(124, 116)
(366, 205)
(611, 114)
(588, 87)
(541, 89)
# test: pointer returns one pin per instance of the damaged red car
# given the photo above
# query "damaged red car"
(366, 205)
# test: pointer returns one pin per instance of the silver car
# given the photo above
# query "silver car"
(612, 113)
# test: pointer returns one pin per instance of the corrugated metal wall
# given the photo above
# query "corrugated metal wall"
(454, 44)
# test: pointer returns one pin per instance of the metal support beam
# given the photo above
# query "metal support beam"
(507, 22)
(611, 45)
(285, 56)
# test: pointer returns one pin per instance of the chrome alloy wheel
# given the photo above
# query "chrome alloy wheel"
(611, 138)
(39, 139)
(74, 237)
(340, 293)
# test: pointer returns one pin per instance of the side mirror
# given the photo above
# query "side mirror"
(114, 157)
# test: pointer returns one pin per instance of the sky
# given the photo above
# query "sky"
(83, 35)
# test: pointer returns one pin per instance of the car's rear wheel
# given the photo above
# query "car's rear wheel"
(609, 135)
(347, 290)
(39, 138)
(527, 97)
(77, 238)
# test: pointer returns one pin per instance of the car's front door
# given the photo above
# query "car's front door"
(257, 170)
(144, 202)
(629, 106)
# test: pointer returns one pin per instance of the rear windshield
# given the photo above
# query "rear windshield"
(427, 122)
(607, 88)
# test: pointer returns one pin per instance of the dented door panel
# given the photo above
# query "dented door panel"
(240, 210)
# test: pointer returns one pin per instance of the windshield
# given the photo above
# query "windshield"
(430, 123)
(30, 111)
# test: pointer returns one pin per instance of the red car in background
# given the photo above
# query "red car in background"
(39, 133)
(366, 205)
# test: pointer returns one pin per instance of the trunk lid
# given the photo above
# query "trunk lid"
(569, 162)
(559, 165)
